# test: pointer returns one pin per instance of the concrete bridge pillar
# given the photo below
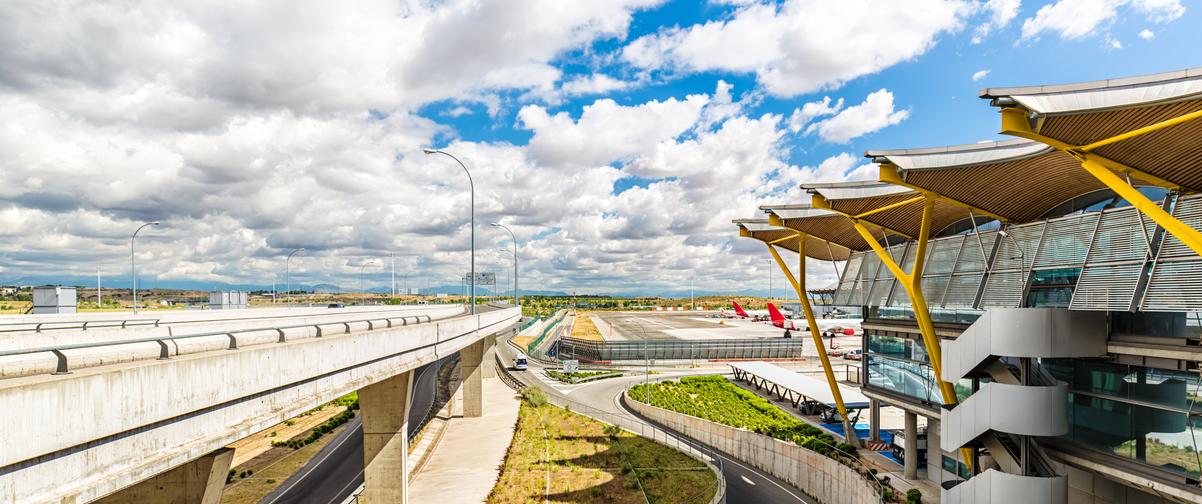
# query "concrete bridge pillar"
(487, 362)
(470, 360)
(197, 482)
(910, 461)
(385, 409)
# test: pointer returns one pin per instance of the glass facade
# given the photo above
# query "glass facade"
(901, 366)
(1150, 415)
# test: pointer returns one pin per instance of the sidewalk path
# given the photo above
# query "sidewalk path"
(466, 463)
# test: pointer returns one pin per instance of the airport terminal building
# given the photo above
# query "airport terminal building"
(1036, 300)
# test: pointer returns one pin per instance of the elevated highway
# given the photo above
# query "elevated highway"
(141, 413)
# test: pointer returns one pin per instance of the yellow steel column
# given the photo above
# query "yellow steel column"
(1188, 235)
(799, 286)
(912, 282)
(1014, 122)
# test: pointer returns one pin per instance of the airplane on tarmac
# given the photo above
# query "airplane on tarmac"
(739, 312)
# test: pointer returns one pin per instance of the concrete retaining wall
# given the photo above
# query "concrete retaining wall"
(815, 474)
(76, 437)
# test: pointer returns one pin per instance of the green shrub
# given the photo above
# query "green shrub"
(612, 431)
(913, 496)
(534, 396)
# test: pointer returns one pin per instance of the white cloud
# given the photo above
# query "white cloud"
(1112, 42)
(1001, 12)
(606, 131)
(801, 117)
(802, 46)
(980, 74)
(1146, 34)
(593, 84)
(875, 113)
(1073, 19)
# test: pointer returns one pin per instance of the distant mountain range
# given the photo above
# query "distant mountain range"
(783, 291)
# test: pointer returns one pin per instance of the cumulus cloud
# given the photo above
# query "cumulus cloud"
(1146, 34)
(1073, 19)
(1001, 12)
(606, 131)
(801, 46)
(874, 113)
(593, 84)
(808, 112)
(252, 129)
(980, 74)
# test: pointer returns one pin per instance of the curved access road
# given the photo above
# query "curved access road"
(744, 484)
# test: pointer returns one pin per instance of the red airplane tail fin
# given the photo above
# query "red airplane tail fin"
(739, 309)
(775, 314)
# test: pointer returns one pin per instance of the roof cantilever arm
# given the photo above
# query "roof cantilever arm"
(1014, 122)
(890, 173)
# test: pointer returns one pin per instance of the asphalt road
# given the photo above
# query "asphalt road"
(337, 470)
(744, 484)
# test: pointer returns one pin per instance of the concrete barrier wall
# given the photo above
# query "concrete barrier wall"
(77, 437)
(819, 476)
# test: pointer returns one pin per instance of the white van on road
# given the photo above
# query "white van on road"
(519, 363)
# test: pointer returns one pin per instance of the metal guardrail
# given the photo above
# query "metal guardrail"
(434, 405)
(552, 324)
(164, 352)
(55, 325)
(635, 426)
(759, 348)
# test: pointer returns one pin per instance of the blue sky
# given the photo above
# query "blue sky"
(617, 139)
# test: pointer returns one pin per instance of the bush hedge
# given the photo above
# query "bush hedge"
(320, 430)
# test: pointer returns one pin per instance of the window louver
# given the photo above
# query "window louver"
(962, 291)
(1189, 211)
(848, 282)
(1106, 288)
(1119, 238)
(1175, 286)
(970, 254)
(942, 257)
(1067, 241)
(1019, 250)
(1003, 289)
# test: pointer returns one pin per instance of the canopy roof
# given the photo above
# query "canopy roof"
(816, 247)
(824, 224)
(1083, 113)
(902, 206)
(1019, 180)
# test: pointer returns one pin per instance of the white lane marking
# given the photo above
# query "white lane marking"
(344, 487)
(747, 480)
(311, 468)
(618, 403)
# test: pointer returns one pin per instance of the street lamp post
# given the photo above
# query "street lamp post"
(288, 278)
(361, 268)
(133, 265)
(393, 277)
(471, 185)
(516, 298)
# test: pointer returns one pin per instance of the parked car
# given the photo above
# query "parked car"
(335, 305)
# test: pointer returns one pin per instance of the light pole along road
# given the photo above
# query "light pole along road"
(472, 186)
(133, 265)
(288, 279)
(517, 300)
